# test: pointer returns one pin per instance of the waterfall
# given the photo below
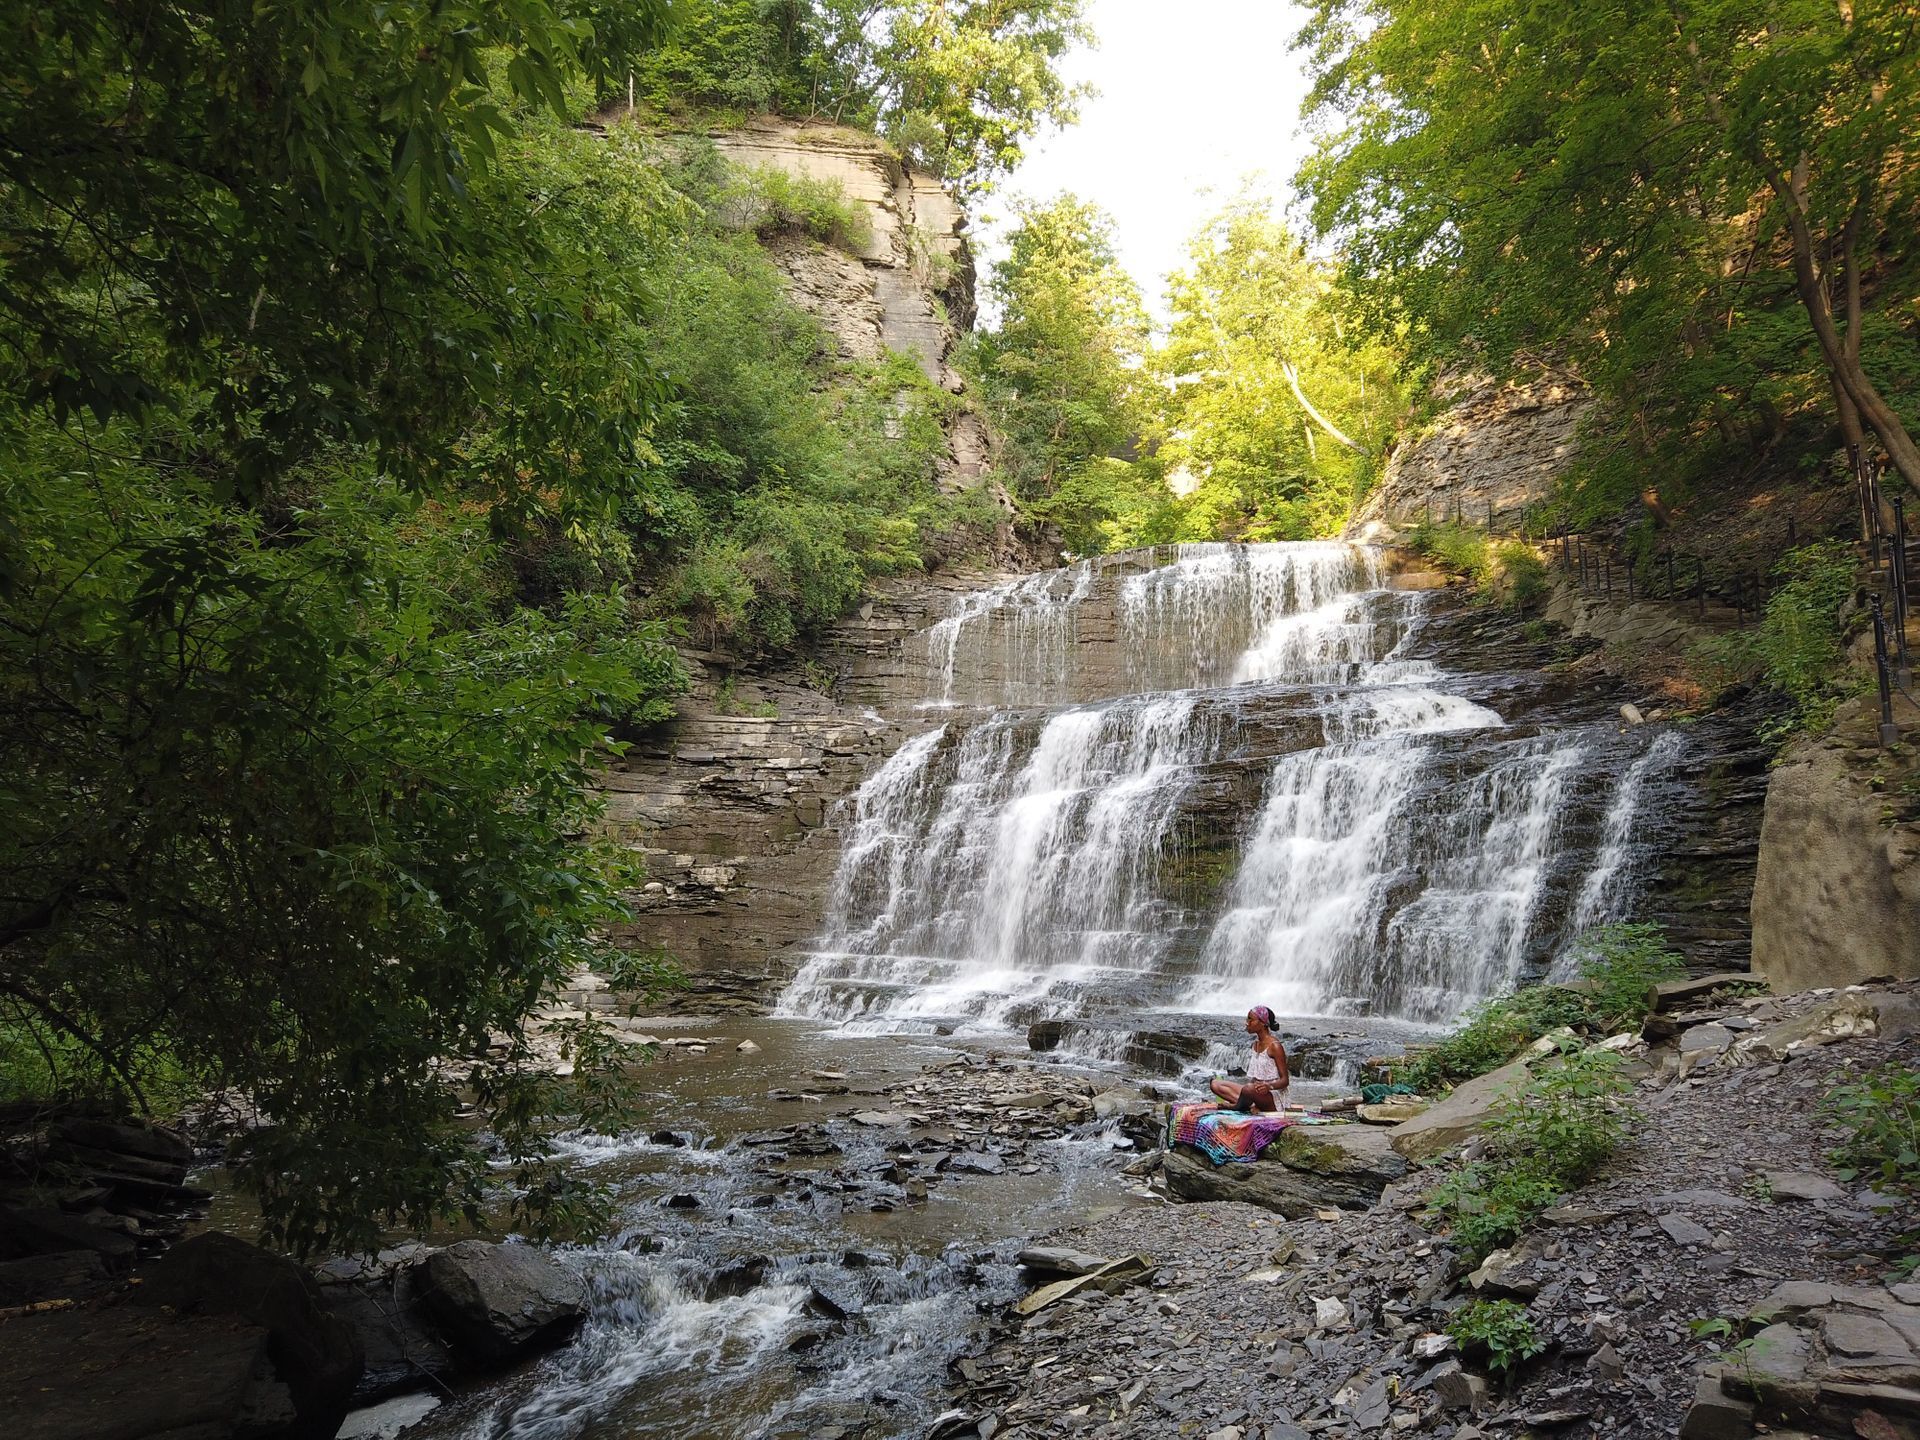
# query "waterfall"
(1195, 778)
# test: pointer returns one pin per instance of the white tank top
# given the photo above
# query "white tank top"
(1262, 1067)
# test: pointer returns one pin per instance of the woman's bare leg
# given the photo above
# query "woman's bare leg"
(1226, 1091)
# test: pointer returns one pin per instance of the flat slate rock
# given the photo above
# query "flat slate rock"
(126, 1373)
(1801, 1185)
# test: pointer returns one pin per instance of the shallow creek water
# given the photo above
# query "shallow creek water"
(803, 1294)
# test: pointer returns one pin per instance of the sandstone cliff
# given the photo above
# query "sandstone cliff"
(1502, 443)
(1836, 897)
(910, 287)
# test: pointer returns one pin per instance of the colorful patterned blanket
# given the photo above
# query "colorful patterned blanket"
(1223, 1134)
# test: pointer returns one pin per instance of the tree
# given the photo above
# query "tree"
(276, 205)
(1062, 370)
(962, 84)
(959, 85)
(1510, 174)
(309, 316)
(1258, 362)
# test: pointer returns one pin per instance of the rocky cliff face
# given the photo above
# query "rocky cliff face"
(908, 290)
(1498, 443)
(733, 804)
(1836, 898)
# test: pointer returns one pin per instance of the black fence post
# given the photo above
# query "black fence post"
(1903, 670)
(1793, 534)
(1609, 567)
(1888, 734)
(1629, 569)
(1873, 509)
(1671, 592)
(1700, 584)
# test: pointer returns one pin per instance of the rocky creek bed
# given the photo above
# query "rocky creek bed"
(1720, 1204)
(836, 1240)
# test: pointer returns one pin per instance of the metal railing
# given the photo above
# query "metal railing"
(1685, 577)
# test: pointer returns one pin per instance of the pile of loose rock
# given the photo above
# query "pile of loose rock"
(1718, 1218)
(83, 1199)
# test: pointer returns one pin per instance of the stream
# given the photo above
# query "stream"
(1140, 795)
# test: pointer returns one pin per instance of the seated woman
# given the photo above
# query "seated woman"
(1265, 1087)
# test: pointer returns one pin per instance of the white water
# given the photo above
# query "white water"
(1282, 800)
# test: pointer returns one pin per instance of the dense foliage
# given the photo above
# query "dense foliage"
(1061, 374)
(1798, 649)
(1508, 573)
(1708, 207)
(368, 430)
(958, 85)
(1260, 416)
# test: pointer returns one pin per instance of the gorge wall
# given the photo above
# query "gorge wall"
(1499, 443)
(908, 290)
(1837, 894)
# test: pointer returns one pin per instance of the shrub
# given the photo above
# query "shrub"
(1544, 1140)
(1621, 966)
(1522, 575)
(1493, 1034)
(1799, 647)
(1500, 1328)
(1880, 1113)
(769, 201)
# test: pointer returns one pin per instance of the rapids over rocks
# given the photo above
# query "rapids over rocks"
(1137, 796)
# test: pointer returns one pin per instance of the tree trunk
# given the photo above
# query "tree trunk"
(1842, 352)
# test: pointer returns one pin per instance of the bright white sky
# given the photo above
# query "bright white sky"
(1194, 95)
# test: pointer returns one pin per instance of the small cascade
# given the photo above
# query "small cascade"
(1621, 853)
(1195, 778)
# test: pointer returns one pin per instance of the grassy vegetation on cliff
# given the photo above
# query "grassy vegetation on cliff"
(1507, 573)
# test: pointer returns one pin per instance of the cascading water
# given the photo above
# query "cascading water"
(1190, 779)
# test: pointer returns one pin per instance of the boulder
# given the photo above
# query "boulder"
(316, 1354)
(1111, 1277)
(1124, 1103)
(1799, 1185)
(1456, 1118)
(737, 1277)
(1044, 1035)
(402, 1347)
(1062, 1260)
(130, 1372)
(498, 1301)
(1677, 994)
(1391, 1112)
(1835, 890)
(1307, 1168)
(124, 1140)
(29, 1232)
(63, 1275)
